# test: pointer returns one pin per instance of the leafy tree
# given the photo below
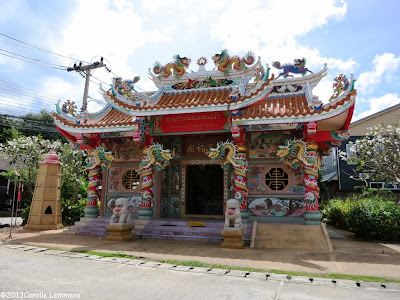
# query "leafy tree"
(378, 154)
(7, 129)
(25, 153)
(72, 178)
(43, 123)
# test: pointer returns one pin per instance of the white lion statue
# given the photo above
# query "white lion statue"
(233, 217)
(120, 212)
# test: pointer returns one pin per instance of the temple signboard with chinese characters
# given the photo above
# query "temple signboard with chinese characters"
(208, 122)
(232, 130)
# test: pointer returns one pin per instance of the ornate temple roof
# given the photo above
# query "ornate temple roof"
(292, 109)
(112, 121)
(238, 85)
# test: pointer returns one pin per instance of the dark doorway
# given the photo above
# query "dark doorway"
(204, 190)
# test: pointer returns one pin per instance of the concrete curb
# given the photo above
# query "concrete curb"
(284, 279)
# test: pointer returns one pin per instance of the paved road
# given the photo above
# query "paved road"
(7, 220)
(36, 273)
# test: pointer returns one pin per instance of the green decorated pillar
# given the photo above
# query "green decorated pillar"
(154, 155)
(99, 159)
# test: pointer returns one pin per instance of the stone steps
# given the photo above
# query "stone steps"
(89, 226)
(180, 230)
(160, 229)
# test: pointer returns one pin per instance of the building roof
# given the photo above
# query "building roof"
(387, 116)
(290, 109)
(266, 100)
(384, 111)
(112, 121)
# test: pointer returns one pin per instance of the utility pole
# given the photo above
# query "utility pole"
(87, 69)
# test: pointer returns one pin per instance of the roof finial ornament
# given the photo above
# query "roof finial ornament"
(340, 85)
(202, 61)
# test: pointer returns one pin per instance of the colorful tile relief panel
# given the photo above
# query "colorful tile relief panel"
(274, 207)
(164, 192)
(265, 144)
(175, 203)
(256, 180)
(123, 180)
(133, 203)
(125, 150)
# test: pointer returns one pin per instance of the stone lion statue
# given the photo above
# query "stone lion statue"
(233, 217)
(120, 212)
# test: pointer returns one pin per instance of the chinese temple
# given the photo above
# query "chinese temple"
(236, 131)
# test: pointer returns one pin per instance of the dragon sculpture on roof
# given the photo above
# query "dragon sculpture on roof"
(178, 67)
(226, 63)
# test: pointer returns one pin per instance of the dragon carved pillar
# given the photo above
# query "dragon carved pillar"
(296, 151)
(154, 155)
(236, 156)
(99, 159)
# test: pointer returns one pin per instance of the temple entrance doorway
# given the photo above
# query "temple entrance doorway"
(205, 190)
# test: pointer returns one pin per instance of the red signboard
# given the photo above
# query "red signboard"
(218, 121)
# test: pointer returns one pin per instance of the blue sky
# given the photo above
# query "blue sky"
(359, 37)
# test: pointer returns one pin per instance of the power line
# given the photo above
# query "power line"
(13, 53)
(37, 123)
(44, 50)
(18, 111)
(20, 93)
(23, 117)
(32, 62)
(57, 97)
(26, 121)
(31, 128)
(26, 97)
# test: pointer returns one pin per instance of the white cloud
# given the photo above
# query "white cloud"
(376, 105)
(270, 28)
(273, 23)
(384, 65)
(324, 90)
(16, 106)
(11, 62)
(110, 29)
(72, 89)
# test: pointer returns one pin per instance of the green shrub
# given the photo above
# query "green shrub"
(72, 212)
(372, 219)
(335, 211)
(25, 212)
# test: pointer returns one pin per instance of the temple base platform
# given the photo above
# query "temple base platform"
(288, 236)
